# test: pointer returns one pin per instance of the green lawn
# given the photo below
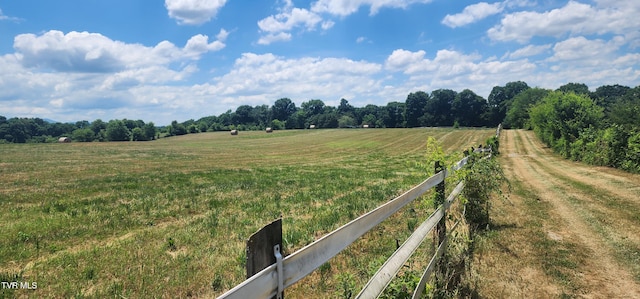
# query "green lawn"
(169, 218)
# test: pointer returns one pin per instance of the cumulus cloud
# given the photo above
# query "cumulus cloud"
(262, 78)
(572, 19)
(530, 50)
(278, 27)
(579, 48)
(455, 70)
(193, 12)
(96, 53)
(346, 7)
(288, 20)
(472, 14)
(401, 59)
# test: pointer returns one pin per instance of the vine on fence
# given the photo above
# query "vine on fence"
(483, 179)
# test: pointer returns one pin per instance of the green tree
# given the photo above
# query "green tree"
(117, 131)
(244, 115)
(414, 108)
(283, 108)
(177, 129)
(98, 125)
(578, 88)
(394, 116)
(138, 134)
(346, 121)
(313, 107)
(626, 111)
(501, 98)
(607, 95)
(83, 135)
(150, 130)
(518, 113)
(468, 109)
(560, 118)
(345, 108)
(438, 108)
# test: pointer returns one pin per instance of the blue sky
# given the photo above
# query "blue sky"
(184, 59)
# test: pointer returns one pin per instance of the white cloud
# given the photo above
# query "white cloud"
(4, 17)
(269, 77)
(278, 37)
(277, 26)
(199, 44)
(402, 59)
(193, 12)
(530, 50)
(572, 19)
(347, 7)
(472, 14)
(288, 20)
(583, 50)
(95, 53)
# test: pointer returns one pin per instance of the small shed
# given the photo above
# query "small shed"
(234, 132)
(269, 130)
(64, 139)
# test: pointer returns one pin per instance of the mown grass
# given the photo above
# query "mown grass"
(169, 218)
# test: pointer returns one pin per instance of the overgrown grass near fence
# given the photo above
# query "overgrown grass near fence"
(170, 217)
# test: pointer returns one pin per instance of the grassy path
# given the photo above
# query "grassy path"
(567, 230)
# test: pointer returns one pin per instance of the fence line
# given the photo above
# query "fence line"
(303, 262)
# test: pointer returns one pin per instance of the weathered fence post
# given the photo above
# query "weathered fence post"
(260, 248)
(441, 228)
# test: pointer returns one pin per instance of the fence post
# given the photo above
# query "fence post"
(441, 228)
(260, 248)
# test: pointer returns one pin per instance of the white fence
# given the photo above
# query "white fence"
(304, 261)
(272, 280)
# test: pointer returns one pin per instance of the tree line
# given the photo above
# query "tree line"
(600, 128)
(510, 104)
(37, 130)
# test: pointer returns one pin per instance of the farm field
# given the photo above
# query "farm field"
(169, 218)
(567, 230)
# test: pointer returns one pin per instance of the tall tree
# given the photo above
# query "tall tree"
(468, 109)
(626, 111)
(500, 100)
(438, 108)
(117, 131)
(607, 95)
(313, 107)
(244, 115)
(414, 108)
(283, 108)
(394, 118)
(518, 113)
(345, 108)
(579, 88)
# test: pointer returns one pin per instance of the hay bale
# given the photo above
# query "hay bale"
(312, 126)
(234, 132)
(64, 139)
(269, 130)
(365, 126)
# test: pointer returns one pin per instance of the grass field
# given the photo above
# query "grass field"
(169, 218)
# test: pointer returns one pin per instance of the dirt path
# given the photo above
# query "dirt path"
(567, 230)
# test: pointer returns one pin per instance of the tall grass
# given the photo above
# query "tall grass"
(170, 217)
